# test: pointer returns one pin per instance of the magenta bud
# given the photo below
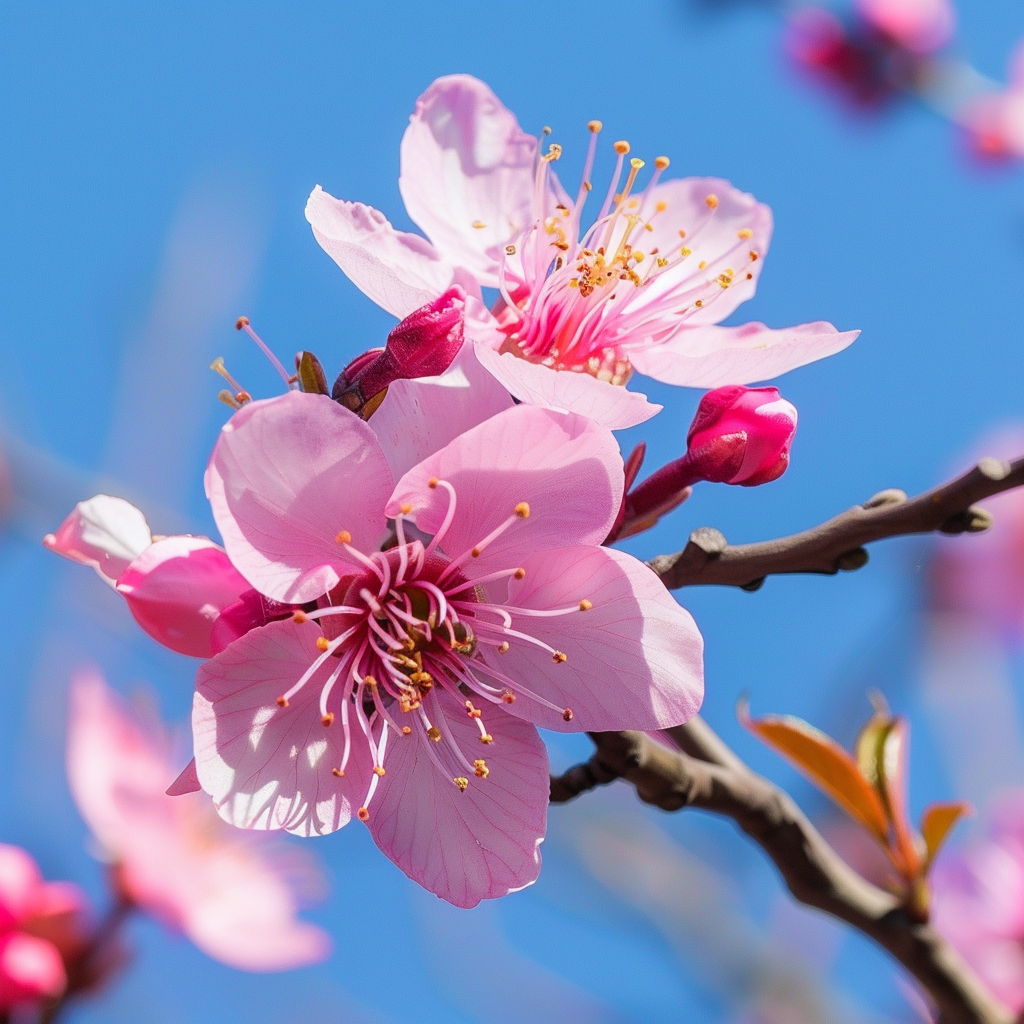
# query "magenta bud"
(424, 344)
(741, 436)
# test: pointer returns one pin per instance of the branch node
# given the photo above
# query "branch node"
(753, 585)
(994, 469)
(849, 561)
(709, 540)
(971, 520)
(890, 496)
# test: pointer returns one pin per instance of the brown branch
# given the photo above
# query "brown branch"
(711, 777)
(838, 545)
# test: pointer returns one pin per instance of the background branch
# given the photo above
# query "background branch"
(709, 776)
(838, 545)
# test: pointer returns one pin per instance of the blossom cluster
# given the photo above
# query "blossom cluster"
(415, 572)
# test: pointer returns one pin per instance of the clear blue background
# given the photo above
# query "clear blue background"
(154, 168)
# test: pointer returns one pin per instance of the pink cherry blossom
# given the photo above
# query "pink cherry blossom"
(981, 576)
(643, 287)
(920, 25)
(455, 611)
(994, 122)
(231, 894)
(41, 926)
(978, 902)
(175, 587)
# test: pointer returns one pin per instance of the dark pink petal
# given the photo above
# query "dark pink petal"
(269, 767)
(20, 880)
(251, 610)
(103, 532)
(467, 173)
(634, 657)
(176, 589)
(186, 782)
(399, 271)
(30, 970)
(709, 357)
(562, 470)
(473, 845)
(608, 404)
(286, 477)
(420, 417)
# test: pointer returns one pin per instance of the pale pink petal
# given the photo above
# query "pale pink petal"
(719, 237)
(467, 173)
(565, 468)
(399, 271)
(710, 357)
(921, 25)
(176, 589)
(20, 880)
(634, 658)
(608, 404)
(106, 749)
(30, 970)
(471, 846)
(269, 767)
(287, 475)
(419, 417)
(104, 532)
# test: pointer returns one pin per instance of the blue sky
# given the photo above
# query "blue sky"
(156, 163)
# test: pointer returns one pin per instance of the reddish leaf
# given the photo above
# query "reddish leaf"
(826, 764)
(936, 824)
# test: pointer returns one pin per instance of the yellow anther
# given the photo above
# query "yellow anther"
(300, 617)
(622, 147)
(343, 537)
(378, 770)
(636, 163)
(724, 280)
(586, 605)
(712, 201)
(406, 508)
(462, 782)
(682, 233)
(487, 738)
(754, 255)
(685, 252)
(503, 647)
(228, 399)
(282, 702)
(434, 733)
(522, 510)
(559, 657)
(363, 814)
(471, 711)
(660, 206)
(520, 573)
(662, 262)
(322, 643)
(433, 482)
(587, 186)
(699, 303)
(744, 233)
(369, 681)
(661, 162)
(242, 321)
(480, 768)
(337, 773)
(479, 224)
(702, 264)
(554, 152)
(406, 730)
(594, 126)
(637, 255)
(328, 718)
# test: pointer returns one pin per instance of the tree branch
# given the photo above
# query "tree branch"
(711, 777)
(838, 545)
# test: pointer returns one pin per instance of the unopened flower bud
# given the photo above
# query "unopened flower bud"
(424, 344)
(741, 436)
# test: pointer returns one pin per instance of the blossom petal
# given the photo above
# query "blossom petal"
(287, 475)
(20, 881)
(31, 969)
(473, 845)
(710, 357)
(467, 173)
(720, 237)
(419, 417)
(634, 657)
(104, 532)
(563, 471)
(401, 272)
(608, 404)
(176, 589)
(269, 767)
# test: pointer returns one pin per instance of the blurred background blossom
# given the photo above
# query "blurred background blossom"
(157, 165)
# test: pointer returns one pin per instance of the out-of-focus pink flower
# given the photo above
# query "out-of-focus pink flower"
(231, 894)
(994, 122)
(411, 695)
(981, 576)
(739, 436)
(978, 902)
(175, 587)
(41, 926)
(644, 287)
(919, 25)
(424, 344)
